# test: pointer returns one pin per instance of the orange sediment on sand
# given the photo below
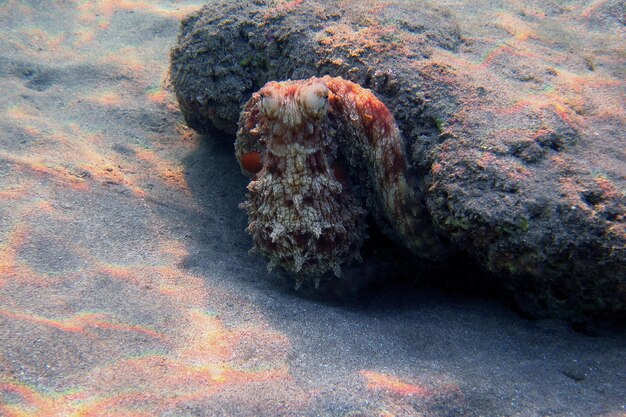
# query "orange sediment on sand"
(207, 342)
(14, 193)
(85, 36)
(31, 130)
(397, 397)
(516, 27)
(14, 270)
(113, 174)
(90, 163)
(202, 364)
(80, 323)
(39, 403)
(86, 161)
(9, 248)
(380, 381)
(208, 346)
(107, 8)
(42, 39)
(42, 166)
(13, 7)
(90, 19)
(39, 207)
(128, 58)
(19, 114)
(175, 248)
(158, 95)
(66, 139)
(178, 12)
(106, 98)
(172, 174)
(592, 7)
(182, 288)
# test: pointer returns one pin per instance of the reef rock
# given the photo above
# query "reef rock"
(513, 122)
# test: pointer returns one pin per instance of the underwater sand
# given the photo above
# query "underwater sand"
(126, 288)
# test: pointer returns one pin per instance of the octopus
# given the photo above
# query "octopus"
(322, 155)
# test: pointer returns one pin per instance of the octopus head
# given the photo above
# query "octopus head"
(300, 215)
(291, 104)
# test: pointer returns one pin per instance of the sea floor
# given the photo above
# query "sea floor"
(126, 287)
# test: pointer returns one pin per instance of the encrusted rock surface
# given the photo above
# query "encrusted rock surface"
(514, 121)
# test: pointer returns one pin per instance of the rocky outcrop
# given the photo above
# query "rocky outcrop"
(514, 125)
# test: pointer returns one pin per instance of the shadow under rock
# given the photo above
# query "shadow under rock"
(388, 277)
(218, 235)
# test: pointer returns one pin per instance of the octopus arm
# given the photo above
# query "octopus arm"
(373, 140)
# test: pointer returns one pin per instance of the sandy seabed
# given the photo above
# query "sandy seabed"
(126, 288)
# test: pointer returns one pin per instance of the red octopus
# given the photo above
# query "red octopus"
(322, 153)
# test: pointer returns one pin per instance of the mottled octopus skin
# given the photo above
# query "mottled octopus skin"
(295, 139)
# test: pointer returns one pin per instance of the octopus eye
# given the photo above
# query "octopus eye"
(314, 98)
(269, 104)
